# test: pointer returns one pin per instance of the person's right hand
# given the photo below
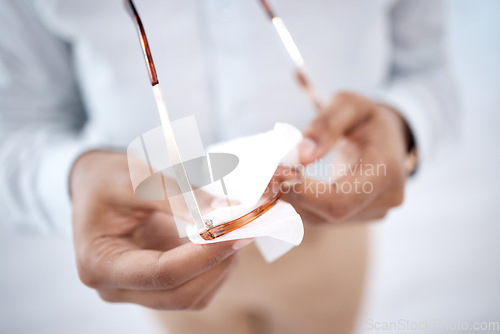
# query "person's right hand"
(128, 249)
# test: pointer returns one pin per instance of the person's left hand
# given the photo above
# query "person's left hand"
(365, 135)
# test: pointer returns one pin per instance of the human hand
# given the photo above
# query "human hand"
(365, 135)
(129, 250)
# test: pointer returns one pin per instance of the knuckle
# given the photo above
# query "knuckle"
(159, 277)
(87, 275)
(110, 296)
(90, 267)
(339, 214)
(202, 304)
(381, 215)
(184, 304)
(182, 301)
(88, 280)
(339, 211)
(397, 198)
(162, 304)
(162, 280)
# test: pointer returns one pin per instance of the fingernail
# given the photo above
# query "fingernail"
(242, 243)
(307, 147)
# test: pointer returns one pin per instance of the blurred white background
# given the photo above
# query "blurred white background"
(437, 257)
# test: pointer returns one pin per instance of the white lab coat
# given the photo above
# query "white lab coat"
(72, 77)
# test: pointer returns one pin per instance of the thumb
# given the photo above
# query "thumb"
(344, 113)
(319, 137)
(307, 150)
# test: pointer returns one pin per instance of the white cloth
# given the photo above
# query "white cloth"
(72, 76)
(257, 157)
(279, 229)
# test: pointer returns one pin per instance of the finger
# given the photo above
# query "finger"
(376, 209)
(287, 173)
(369, 215)
(343, 114)
(335, 201)
(120, 264)
(307, 216)
(183, 297)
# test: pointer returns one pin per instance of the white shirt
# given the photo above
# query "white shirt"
(72, 77)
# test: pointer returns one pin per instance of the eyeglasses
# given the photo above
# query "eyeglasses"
(294, 53)
(207, 230)
(266, 202)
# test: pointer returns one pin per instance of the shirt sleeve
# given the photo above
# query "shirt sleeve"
(420, 84)
(41, 117)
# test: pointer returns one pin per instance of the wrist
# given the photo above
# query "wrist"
(408, 140)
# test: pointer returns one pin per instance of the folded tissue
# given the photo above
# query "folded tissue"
(275, 232)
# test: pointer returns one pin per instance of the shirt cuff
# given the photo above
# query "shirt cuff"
(53, 183)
